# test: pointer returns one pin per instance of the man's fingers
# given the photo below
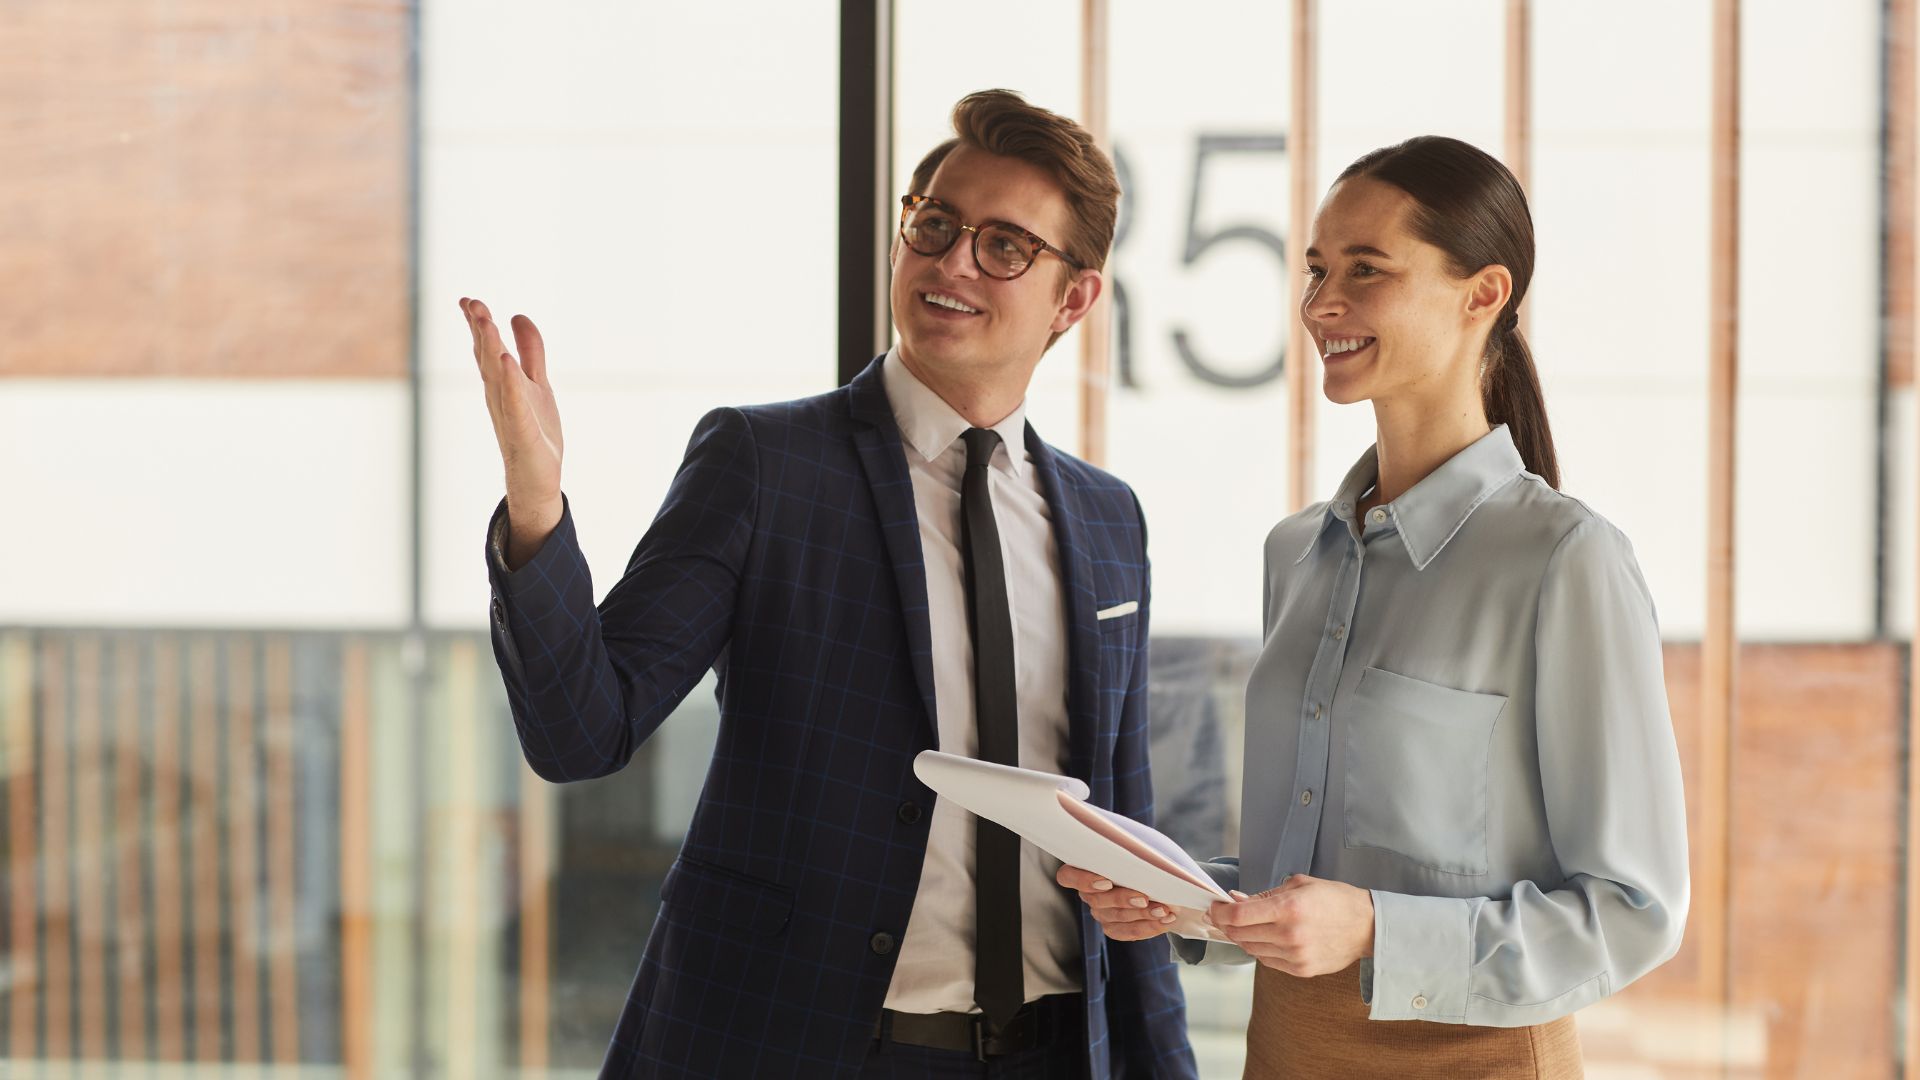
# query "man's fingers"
(490, 337)
(510, 390)
(1081, 880)
(1129, 913)
(480, 355)
(533, 351)
(486, 335)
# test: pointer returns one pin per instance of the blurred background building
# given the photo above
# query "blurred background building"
(261, 806)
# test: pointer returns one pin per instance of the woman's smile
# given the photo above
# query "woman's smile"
(1336, 350)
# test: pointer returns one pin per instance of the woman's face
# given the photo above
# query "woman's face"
(1388, 318)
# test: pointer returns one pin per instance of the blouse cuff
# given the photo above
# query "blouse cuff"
(1422, 957)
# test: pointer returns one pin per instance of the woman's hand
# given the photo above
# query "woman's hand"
(1124, 914)
(1306, 927)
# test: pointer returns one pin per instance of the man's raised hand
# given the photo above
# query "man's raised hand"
(526, 424)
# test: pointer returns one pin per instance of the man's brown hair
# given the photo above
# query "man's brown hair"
(1002, 122)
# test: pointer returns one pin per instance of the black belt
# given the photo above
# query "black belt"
(1038, 1023)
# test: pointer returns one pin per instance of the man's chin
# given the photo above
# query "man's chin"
(938, 351)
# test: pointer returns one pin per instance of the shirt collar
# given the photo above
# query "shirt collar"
(931, 426)
(1433, 510)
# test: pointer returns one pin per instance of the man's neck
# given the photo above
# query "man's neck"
(983, 400)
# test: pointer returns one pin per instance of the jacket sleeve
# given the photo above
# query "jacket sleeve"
(1225, 872)
(587, 685)
(1610, 773)
(1146, 1008)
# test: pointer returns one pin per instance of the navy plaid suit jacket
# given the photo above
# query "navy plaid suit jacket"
(786, 557)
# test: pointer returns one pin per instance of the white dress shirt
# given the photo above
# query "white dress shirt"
(935, 968)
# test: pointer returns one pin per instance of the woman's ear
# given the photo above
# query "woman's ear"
(1489, 292)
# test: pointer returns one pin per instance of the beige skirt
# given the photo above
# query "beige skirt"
(1319, 1028)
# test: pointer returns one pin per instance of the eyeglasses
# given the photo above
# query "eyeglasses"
(1002, 251)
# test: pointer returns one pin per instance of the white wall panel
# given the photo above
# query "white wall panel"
(190, 503)
(655, 185)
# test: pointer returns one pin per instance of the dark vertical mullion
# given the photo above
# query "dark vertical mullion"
(866, 171)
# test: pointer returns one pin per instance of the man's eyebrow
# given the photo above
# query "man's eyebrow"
(955, 211)
(1354, 249)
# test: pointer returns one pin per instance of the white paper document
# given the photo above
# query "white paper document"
(1052, 813)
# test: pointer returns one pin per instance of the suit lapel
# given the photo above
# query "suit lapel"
(877, 437)
(1077, 590)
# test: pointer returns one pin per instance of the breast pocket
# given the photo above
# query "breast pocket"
(701, 892)
(1417, 756)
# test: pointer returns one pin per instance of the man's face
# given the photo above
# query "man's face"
(1006, 324)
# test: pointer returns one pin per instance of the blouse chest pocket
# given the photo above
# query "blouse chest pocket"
(1417, 758)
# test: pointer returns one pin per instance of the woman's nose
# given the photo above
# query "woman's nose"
(1322, 300)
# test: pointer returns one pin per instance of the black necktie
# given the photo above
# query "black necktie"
(998, 983)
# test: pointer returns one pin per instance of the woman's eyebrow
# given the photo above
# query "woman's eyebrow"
(1354, 249)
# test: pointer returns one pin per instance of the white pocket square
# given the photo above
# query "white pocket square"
(1118, 610)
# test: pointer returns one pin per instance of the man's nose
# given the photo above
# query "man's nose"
(958, 262)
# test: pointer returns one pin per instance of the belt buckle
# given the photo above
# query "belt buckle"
(980, 1037)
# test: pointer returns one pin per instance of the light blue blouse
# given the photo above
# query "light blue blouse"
(1460, 707)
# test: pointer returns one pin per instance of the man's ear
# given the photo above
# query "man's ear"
(1078, 299)
(1487, 296)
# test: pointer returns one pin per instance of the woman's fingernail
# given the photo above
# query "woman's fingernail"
(1138, 901)
(1238, 895)
(1102, 885)
(1159, 913)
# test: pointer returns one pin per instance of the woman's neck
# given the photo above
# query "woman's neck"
(1414, 440)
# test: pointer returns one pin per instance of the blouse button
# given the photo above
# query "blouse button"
(1339, 632)
(1378, 515)
(1419, 1001)
(1306, 798)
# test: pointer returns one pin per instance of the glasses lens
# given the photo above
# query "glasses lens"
(1005, 253)
(929, 230)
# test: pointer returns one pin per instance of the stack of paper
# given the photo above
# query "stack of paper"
(1052, 813)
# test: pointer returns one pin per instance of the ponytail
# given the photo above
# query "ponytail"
(1510, 392)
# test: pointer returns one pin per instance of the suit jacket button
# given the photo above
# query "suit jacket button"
(909, 812)
(881, 943)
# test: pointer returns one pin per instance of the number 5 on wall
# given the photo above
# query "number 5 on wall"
(1199, 243)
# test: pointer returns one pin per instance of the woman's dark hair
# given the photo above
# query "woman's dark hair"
(1468, 205)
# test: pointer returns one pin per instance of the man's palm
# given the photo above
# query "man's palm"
(526, 424)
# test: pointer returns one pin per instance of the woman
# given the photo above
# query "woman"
(1463, 806)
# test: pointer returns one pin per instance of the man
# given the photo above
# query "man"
(897, 565)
